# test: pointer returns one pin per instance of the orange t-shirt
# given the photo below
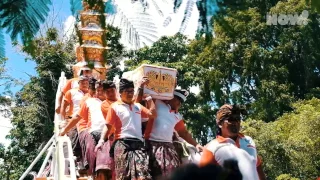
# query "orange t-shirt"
(71, 84)
(106, 104)
(85, 97)
(85, 115)
(73, 97)
(81, 124)
(91, 114)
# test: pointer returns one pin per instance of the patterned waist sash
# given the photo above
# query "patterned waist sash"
(131, 144)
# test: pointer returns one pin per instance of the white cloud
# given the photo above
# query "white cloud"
(68, 27)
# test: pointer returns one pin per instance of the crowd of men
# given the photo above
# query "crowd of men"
(131, 136)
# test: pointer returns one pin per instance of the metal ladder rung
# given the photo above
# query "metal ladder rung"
(62, 159)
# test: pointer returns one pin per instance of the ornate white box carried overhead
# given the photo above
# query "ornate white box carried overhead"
(162, 80)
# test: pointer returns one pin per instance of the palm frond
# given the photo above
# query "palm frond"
(2, 44)
(177, 4)
(23, 17)
(157, 8)
(75, 7)
(110, 8)
(138, 28)
(207, 9)
(187, 16)
(142, 22)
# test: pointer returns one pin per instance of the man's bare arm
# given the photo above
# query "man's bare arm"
(74, 120)
(59, 101)
(184, 134)
(105, 132)
(65, 104)
(144, 82)
(152, 108)
(261, 174)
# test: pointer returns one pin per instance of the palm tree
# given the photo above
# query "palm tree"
(142, 22)
(21, 19)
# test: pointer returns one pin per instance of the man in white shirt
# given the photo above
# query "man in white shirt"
(159, 132)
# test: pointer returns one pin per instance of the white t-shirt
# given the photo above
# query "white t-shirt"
(96, 117)
(244, 152)
(74, 97)
(161, 128)
(246, 163)
(127, 119)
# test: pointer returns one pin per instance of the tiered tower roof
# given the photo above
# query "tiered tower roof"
(92, 39)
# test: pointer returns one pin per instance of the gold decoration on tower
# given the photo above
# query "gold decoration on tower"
(92, 34)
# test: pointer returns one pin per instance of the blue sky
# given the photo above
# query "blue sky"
(19, 68)
(16, 64)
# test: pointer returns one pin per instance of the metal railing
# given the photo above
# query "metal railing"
(55, 149)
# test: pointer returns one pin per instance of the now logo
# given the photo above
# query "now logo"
(288, 19)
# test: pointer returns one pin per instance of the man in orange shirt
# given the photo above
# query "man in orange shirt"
(231, 144)
(104, 161)
(72, 100)
(125, 116)
(91, 91)
(91, 123)
(73, 97)
(72, 84)
(105, 143)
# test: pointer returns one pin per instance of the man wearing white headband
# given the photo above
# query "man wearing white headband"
(72, 101)
(159, 131)
(73, 84)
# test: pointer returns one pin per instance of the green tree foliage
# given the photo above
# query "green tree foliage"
(286, 177)
(314, 4)
(173, 52)
(290, 146)
(264, 67)
(22, 18)
(2, 70)
(2, 164)
(34, 111)
(4, 101)
(115, 52)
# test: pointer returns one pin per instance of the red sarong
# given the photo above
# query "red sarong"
(104, 161)
(163, 158)
(88, 144)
